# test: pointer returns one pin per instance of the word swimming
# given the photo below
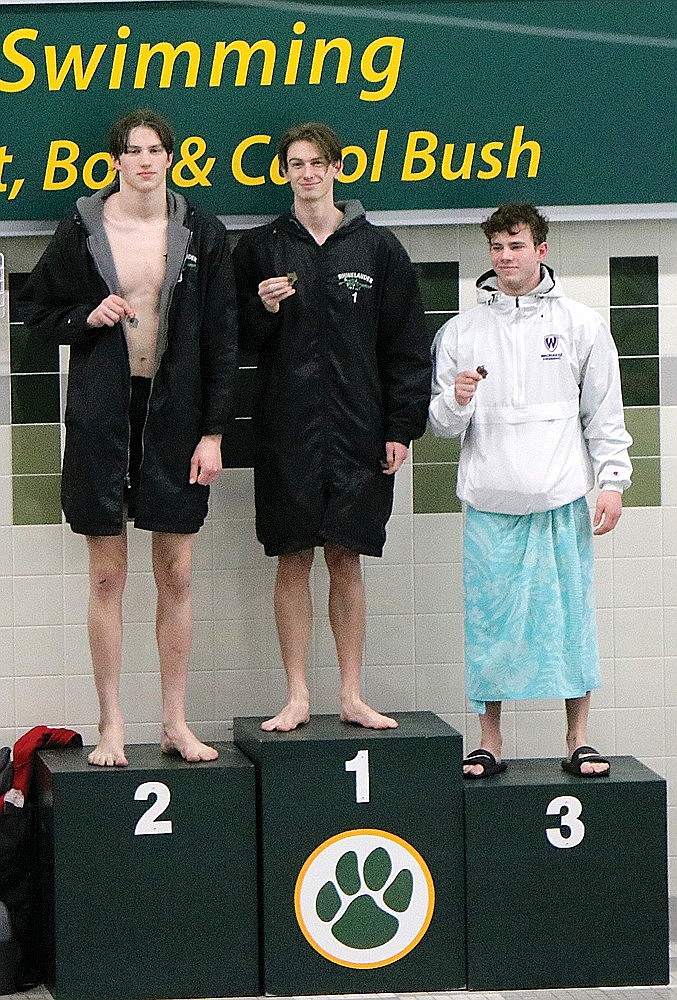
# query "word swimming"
(189, 64)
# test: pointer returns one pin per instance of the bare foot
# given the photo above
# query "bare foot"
(178, 739)
(294, 714)
(359, 714)
(110, 750)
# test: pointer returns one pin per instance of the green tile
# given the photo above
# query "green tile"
(30, 352)
(35, 399)
(435, 489)
(429, 448)
(643, 424)
(639, 380)
(433, 321)
(36, 499)
(439, 285)
(633, 281)
(36, 448)
(646, 484)
(635, 330)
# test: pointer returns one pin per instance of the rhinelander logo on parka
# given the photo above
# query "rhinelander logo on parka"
(551, 342)
(355, 282)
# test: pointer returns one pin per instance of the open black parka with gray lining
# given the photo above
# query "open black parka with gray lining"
(193, 386)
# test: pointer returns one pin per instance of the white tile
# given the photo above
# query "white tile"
(242, 644)
(440, 687)
(140, 598)
(604, 695)
(640, 731)
(638, 632)
(390, 639)
(235, 545)
(38, 549)
(671, 732)
(202, 590)
(668, 438)
(667, 324)
(77, 658)
(669, 574)
(323, 646)
(632, 238)
(6, 652)
(140, 697)
(540, 733)
(82, 706)
(75, 598)
(6, 560)
(670, 666)
(433, 243)
(438, 588)
(325, 691)
(243, 593)
(389, 590)
(438, 538)
(638, 583)
(248, 692)
(602, 729)
(6, 701)
(670, 528)
(639, 533)
(391, 689)
(6, 601)
(603, 581)
(39, 701)
(605, 632)
(639, 683)
(38, 651)
(202, 648)
(200, 695)
(139, 550)
(8, 738)
(38, 600)
(668, 479)
(439, 638)
(203, 555)
(139, 647)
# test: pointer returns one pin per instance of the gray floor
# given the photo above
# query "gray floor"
(611, 993)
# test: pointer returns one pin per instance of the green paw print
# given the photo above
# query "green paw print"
(364, 922)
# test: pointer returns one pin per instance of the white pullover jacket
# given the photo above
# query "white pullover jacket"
(547, 421)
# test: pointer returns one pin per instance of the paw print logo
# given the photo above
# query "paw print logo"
(364, 898)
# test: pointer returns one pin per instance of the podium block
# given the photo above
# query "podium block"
(566, 878)
(361, 855)
(149, 875)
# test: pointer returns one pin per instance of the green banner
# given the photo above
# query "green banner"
(442, 105)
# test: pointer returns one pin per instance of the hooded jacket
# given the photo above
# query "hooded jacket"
(547, 421)
(343, 367)
(192, 389)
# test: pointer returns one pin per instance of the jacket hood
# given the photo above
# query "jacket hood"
(353, 213)
(489, 292)
(90, 207)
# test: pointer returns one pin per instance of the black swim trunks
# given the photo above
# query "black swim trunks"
(138, 411)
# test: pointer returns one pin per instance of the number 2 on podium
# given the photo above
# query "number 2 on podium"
(360, 765)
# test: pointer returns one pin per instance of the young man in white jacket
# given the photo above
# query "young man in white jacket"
(530, 379)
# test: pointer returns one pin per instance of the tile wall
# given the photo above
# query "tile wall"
(414, 648)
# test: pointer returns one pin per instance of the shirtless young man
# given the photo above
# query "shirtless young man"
(138, 282)
(332, 305)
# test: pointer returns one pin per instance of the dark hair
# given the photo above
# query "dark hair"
(509, 217)
(318, 133)
(118, 135)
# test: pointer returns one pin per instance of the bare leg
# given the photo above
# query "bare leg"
(490, 735)
(577, 710)
(347, 615)
(107, 577)
(172, 564)
(294, 619)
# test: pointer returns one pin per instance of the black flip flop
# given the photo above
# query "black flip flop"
(586, 755)
(485, 759)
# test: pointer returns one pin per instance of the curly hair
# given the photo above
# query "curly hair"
(509, 217)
